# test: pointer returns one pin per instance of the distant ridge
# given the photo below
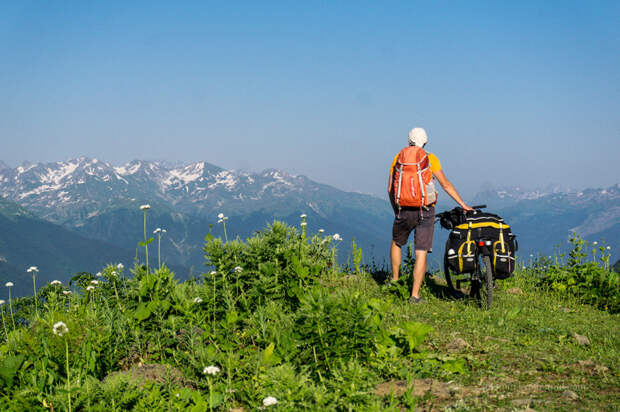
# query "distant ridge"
(59, 253)
(101, 201)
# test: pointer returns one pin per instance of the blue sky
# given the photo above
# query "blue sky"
(510, 92)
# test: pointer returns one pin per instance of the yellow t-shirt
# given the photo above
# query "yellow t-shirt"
(435, 164)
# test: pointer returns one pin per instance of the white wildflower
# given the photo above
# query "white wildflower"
(213, 272)
(94, 282)
(595, 243)
(120, 266)
(269, 401)
(220, 220)
(55, 282)
(1, 302)
(303, 216)
(32, 269)
(225, 218)
(66, 292)
(145, 207)
(163, 231)
(211, 370)
(303, 223)
(156, 231)
(89, 288)
(238, 269)
(178, 395)
(336, 237)
(608, 247)
(220, 216)
(60, 328)
(113, 273)
(98, 274)
(8, 284)
(321, 230)
(197, 300)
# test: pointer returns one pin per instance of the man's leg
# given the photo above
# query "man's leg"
(419, 271)
(396, 256)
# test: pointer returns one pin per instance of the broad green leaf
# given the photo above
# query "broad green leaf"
(10, 366)
(142, 312)
(231, 317)
(201, 406)
(215, 399)
(196, 397)
(268, 353)
(267, 268)
(512, 313)
(415, 333)
(454, 366)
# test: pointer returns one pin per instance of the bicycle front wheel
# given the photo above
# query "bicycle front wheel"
(486, 287)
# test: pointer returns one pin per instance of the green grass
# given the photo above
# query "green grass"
(279, 319)
(523, 349)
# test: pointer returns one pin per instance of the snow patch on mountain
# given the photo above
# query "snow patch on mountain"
(22, 169)
(226, 179)
(38, 191)
(185, 175)
(56, 175)
(128, 169)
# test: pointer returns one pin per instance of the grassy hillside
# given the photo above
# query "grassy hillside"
(276, 325)
(59, 253)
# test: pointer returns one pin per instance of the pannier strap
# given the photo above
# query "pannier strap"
(482, 224)
(501, 237)
(468, 242)
(460, 253)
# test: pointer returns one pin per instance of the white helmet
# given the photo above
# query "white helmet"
(417, 137)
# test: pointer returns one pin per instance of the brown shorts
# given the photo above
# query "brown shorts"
(420, 220)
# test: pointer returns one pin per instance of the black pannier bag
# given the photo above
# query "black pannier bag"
(461, 246)
(460, 252)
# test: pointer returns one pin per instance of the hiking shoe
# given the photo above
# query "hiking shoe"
(416, 300)
(389, 283)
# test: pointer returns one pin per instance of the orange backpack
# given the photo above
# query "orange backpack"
(411, 184)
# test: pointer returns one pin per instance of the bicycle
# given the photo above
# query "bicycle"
(481, 278)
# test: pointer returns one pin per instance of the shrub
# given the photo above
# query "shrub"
(584, 276)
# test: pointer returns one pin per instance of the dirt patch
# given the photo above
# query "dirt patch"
(457, 345)
(420, 387)
(134, 357)
(592, 368)
(580, 339)
(157, 373)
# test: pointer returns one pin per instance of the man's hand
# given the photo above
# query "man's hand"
(466, 208)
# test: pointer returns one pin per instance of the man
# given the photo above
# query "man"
(420, 218)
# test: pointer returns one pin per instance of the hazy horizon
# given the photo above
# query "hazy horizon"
(484, 186)
(510, 93)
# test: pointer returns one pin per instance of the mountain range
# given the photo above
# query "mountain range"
(99, 202)
(544, 221)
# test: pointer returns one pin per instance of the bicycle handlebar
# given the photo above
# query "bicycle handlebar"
(458, 209)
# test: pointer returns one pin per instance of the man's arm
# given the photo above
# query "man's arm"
(447, 186)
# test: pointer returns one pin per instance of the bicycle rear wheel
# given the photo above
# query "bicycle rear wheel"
(486, 283)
